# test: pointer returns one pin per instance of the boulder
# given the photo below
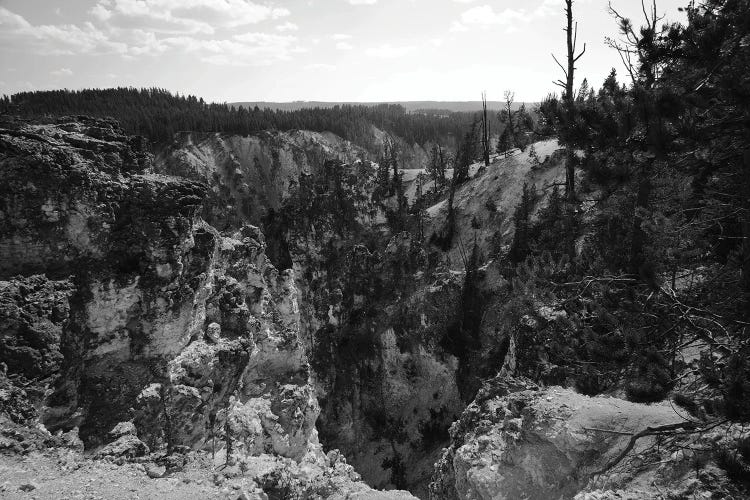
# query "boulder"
(123, 429)
(518, 441)
(127, 446)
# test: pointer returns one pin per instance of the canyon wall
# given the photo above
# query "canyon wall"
(123, 313)
(394, 330)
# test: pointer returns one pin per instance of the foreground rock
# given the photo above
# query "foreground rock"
(518, 441)
(58, 473)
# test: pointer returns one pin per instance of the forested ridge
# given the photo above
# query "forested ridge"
(158, 114)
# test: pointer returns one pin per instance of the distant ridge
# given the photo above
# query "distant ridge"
(410, 106)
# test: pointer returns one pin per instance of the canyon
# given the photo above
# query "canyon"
(244, 304)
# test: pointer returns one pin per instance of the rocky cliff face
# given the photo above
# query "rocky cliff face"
(517, 440)
(250, 177)
(392, 326)
(120, 304)
(164, 316)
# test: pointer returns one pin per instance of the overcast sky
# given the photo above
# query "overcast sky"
(284, 50)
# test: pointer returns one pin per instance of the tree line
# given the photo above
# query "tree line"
(158, 114)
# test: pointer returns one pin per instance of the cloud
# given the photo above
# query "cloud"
(344, 46)
(363, 2)
(143, 28)
(457, 27)
(62, 72)
(100, 12)
(486, 15)
(340, 36)
(320, 67)
(287, 26)
(388, 51)
(185, 16)
(549, 7)
(63, 39)
(247, 49)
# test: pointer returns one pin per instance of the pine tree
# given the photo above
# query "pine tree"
(520, 248)
(466, 154)
(485, 132)
(437, 166)
(534, 157)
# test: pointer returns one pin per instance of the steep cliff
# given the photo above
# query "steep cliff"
(394, 327)
(124, 314)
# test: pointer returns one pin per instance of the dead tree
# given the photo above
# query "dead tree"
(571, 31)
(485, 132)
(746, 227)
(511, 133)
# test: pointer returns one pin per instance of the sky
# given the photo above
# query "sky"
(289, 50)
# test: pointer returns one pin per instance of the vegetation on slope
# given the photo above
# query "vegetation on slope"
(646, 266)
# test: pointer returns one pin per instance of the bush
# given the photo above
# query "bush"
(652, 379)
(735, 463)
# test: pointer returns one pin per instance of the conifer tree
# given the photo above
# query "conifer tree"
(520, 247)
(437, 166)
(485, 132)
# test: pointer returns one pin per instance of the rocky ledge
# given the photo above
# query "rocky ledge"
(517, 440)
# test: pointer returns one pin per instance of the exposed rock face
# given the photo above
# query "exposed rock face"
(122, 335)
(384, 319)
(124, 314)
(250, 176)
(33, 314)
(519, 441)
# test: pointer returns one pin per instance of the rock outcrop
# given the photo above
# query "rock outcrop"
(132, 332)
(120, 304)
(517, 440)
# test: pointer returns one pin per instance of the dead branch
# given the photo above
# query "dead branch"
(648, 431)
(608, 431)
(561, 66)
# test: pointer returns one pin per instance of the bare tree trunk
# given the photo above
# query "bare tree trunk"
(485, 132)
(746, 226)
(571, 32)
(570, 173)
